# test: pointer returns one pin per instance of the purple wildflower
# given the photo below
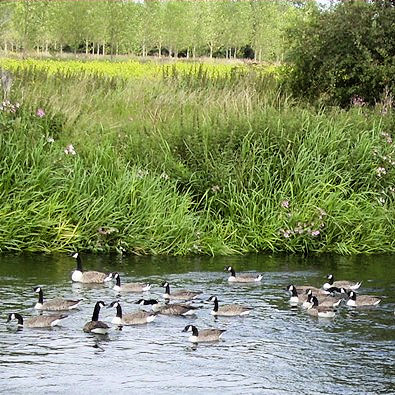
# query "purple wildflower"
(285, 204)
(40, 112)
(315, 233)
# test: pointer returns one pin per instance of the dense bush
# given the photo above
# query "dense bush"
(346, 54)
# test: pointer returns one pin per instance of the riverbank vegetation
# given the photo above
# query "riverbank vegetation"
(187, 163)
(214, 157)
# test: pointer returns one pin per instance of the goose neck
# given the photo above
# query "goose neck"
(96, 311)
(79, 264)
(41, 297)
(119, 311)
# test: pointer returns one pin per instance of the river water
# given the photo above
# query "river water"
(275, 350)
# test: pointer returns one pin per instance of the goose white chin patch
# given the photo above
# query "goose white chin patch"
(75, 255)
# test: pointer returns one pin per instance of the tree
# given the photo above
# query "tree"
(344, 52)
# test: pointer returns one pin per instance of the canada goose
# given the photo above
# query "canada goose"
(205, 335)
(181, 294)
(362, 300)
(229, 309)
(242, 278)
(296, 297)
(168, 308)
(90, 277)
(329, 301)
(129, 287)
(96, 326)
(320, 311)
(137, 318)
(41, 321)
(340, 284)
(54, 304)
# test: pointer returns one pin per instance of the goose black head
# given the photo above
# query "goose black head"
(352, 295)
(314, 300)
(187, 328)
(11, 317)
(114, 304)
(165, 284)
(212, 299)
(143, 302)
(37, 289)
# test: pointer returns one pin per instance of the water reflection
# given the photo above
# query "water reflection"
(278, 348)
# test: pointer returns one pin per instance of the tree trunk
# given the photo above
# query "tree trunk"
(46, 46)
(160, 50)
(187, 53)
(194, 52)
(170, 52)
(104, 48)
(61, 48)
(211, 51)
(5, 46)
(143, 50)
(226, 53)
(86, 47)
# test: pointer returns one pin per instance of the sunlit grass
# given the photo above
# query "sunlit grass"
(189, 163)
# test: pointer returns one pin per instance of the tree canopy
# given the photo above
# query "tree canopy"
(219, 28)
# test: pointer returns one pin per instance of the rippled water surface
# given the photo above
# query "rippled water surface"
(276, 349)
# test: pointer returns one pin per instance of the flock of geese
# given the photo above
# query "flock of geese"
(319, 302)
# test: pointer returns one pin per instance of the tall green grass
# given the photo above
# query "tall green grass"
(189, 164)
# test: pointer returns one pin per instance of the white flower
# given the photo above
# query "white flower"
(70, 150)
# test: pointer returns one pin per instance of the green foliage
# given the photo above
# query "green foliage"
(345, 54)
(190, 164)
(193, 28)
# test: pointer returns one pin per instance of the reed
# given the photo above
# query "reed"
(189, 162)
